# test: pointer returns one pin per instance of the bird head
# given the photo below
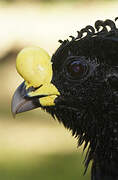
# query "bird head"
(77, 85)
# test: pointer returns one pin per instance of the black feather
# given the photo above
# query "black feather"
(85, 71)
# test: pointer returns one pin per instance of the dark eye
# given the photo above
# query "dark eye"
(77, 68)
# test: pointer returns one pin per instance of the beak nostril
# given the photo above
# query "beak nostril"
(31, 88)
(39, 87)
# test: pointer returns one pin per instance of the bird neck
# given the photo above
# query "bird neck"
(105, 169)
(103, 147)
(104, 150)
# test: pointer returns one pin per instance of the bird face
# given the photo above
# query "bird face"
(45, 85)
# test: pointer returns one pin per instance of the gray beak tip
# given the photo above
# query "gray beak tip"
(19, 103)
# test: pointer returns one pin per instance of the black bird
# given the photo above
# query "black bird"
(80, 89)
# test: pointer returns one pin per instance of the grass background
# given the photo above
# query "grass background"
(51, 167)
(34, 146)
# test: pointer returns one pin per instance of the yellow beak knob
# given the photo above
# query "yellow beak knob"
(34, 65)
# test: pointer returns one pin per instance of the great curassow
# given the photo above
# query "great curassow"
(78, 86)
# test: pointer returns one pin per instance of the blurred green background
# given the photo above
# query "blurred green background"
(34, 146)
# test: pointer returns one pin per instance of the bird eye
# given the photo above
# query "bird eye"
(77, 68)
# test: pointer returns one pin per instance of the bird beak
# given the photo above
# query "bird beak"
(20, 101)
(34, 65)
(26, 99)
